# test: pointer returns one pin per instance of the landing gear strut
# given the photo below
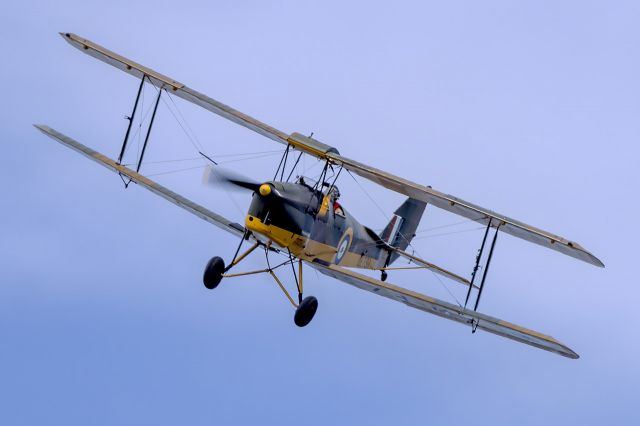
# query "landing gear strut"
(215, 269)
(305, 308)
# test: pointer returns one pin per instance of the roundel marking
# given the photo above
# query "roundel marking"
(343, 246)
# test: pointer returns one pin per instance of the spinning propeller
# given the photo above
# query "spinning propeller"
(216, 175)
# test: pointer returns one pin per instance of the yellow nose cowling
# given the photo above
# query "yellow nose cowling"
(265, 189)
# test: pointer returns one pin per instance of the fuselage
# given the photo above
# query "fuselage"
(305, 221)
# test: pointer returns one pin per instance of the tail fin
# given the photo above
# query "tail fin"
(403, 225)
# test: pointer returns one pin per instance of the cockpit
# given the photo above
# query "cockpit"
(334, 195)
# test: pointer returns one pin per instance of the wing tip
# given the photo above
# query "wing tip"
(49, 132)
(68, 37)
(568, 353)
(590, 258)
(43, 128)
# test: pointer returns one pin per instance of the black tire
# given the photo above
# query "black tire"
(306, 310)
(213, 273)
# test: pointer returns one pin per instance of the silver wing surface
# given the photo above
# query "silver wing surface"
(446, 310)
(178, 89)
(152, 186)
(322, 151)
(466, 209)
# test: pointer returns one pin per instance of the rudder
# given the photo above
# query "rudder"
(403, 225)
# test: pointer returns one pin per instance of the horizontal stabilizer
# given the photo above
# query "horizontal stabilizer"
(430, 266)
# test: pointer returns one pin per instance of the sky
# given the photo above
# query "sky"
(528, 108)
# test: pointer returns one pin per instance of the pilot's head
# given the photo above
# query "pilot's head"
(334, 192)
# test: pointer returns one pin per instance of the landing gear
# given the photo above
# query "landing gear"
(216, 270)
(305, 311)
(213, 273)
(383, 276)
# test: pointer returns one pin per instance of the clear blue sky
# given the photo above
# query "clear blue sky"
(529, 108)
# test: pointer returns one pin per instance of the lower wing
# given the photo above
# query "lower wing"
(447, 310)
(152, 186)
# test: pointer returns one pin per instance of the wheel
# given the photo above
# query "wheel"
(383, 276)
(306, 310)
(213, 273)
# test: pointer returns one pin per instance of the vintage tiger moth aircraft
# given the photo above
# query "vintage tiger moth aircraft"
(304, 220)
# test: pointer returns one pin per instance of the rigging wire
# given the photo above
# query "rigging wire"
(194, 141)
(424, 237)
(186, 123)
(372, 244)
(138, 131)
(306, 170)
(217, 156)
(198, 147)
(247, 158)
(369, 196)
(177, 171)
(273, 151)
(408, 242)
(444, 226)
(446, 288)
(200, 166)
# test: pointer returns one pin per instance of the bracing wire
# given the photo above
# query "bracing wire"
(409, 243)
(433, 228)
(177, 171)
(244, 157)
(196, 144)
(200, 166)
(369, 196)
(424, 237)
(186, 123)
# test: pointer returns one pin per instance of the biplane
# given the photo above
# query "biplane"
(304, 220)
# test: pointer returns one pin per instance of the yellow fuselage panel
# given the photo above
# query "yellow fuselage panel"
(282, 237)
(306, 248)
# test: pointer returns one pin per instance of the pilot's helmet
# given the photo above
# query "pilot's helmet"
(334, 192)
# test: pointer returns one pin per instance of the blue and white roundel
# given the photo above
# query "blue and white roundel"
(343, 245)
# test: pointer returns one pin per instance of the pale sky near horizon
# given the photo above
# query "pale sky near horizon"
(527, 108)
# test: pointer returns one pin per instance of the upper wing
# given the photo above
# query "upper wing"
(179, 200)
(326, 152)
(467, 209)
(447, 310)
(175, 87)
